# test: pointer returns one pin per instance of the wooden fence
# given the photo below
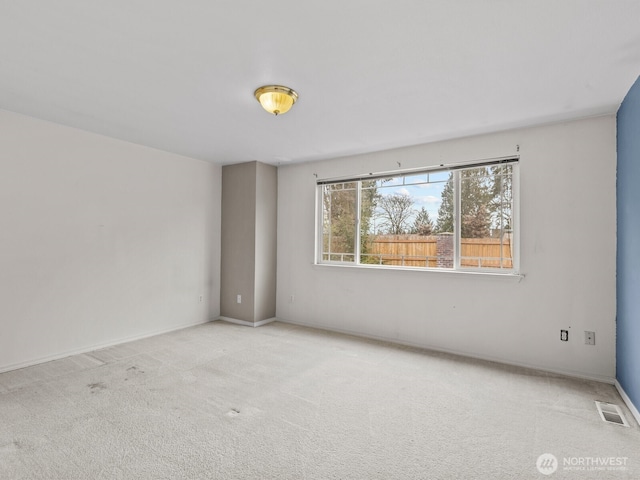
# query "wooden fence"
(436, 251)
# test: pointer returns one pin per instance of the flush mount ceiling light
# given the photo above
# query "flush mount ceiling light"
(276, 99)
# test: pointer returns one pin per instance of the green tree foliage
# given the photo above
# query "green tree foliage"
(476, 186)
(485, 202)
(340, 218)
(476, 224)
(501, 206)
(423, 225)
(394, 213)
(368, 202)
(444, 223)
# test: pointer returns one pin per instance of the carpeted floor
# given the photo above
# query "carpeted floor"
(222, 401)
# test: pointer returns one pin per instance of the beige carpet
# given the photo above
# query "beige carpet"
(221, 401)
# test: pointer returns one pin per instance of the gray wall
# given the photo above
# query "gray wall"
(237, 264)
(248, 264)
(101, 241)
(568, 256)
(265, 241)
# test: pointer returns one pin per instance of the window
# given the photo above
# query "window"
(459, 218)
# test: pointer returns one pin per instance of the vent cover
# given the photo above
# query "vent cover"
(611, 413)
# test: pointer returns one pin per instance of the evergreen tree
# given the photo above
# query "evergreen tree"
(368, 203)
(476, 194)
(444, 223)
(477, 205)
(476, 224)
(422, 224)
(501, 206)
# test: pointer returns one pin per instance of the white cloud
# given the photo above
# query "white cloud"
(403, 191)
(430, 199)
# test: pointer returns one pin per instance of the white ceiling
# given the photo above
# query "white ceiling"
(371, 74)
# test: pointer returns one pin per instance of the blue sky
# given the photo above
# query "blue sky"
(425, 191)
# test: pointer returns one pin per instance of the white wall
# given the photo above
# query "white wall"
(568, 250)
(100, 240)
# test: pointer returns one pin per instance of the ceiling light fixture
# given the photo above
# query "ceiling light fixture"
(276, 99)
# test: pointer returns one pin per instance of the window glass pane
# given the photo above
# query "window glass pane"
(398, 222)
(410, 220)
(486, 207)
(386, 182)
(368, 201)
(415, 179)
(445, 219)
(339, 222)
(441, 176)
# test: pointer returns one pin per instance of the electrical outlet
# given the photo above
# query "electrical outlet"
(564, 335)
(200, 298)
(589, 338)
(239, 299)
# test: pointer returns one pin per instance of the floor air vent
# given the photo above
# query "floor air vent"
(611, 413)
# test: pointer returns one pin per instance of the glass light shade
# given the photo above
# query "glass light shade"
(276, 99)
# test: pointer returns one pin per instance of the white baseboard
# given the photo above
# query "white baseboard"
(565, 373)
(632, 408)
(97, 346)
(246, 323)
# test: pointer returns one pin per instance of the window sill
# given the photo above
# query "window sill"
(430, 271)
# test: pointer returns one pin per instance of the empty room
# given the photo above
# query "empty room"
(320, 240)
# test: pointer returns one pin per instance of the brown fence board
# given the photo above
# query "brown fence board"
(421, 251)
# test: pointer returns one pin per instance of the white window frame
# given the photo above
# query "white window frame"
(515, 217)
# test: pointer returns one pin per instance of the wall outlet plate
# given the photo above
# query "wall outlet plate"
(589, 338)
(564, 335)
